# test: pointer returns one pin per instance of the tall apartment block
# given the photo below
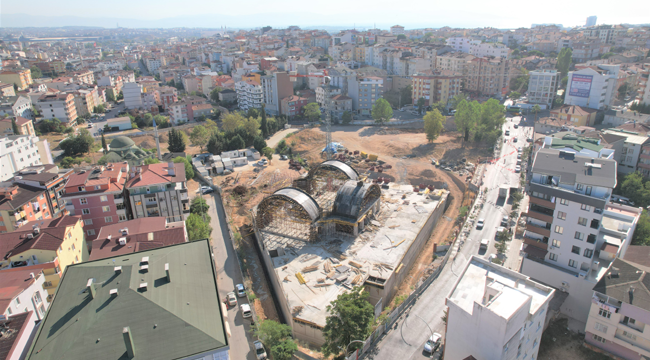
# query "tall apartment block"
(542, 87)
(488, 76)
(159, 190)
(495, 313)
(572, 231)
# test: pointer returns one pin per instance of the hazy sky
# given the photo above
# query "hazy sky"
(414, 13)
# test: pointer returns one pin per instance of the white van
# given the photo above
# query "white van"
(246, 310)
(484, 244)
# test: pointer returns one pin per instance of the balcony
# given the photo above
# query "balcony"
(119, 200)
(542, 244)
(541, 202)
(544, 231)
(539, 216)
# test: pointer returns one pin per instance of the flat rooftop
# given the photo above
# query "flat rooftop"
(514, 289)
(376, 252)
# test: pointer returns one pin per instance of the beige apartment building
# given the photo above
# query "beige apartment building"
(487, 76)
(21, 77)
(455, 62)
(440, 86)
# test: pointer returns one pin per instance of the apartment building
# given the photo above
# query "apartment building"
(440, 86)
(20, 204)
(572, 231)
(60, 106)
(21, 327)
(18, 152)
(461, 44)
(23, 292)
(454, 62)
(132, 93)
(7, 89)
(591, 21)
(397, 30)
(25, 126)
(49, 178)
(489, 49)
(158, 190)
(22, 78)
(631, 156)
(275, 87)
(365, 91)
(495, 313)
(16, 106)
(97, 195)
(593, 87)
(85, 101)
(488, 76)
(605, 33)
(249, 94)
(578, 116)
(292, 105)
(152, 64)
(643, 95)
(542, 87)
(620, 311)
(584, 50)
(47, 246)
(168, 96)
(183, 111)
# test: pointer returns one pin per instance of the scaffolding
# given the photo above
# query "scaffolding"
(287, 215)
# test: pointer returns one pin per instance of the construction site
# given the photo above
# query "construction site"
(335, 228)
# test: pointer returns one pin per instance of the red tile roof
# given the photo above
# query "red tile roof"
(157, 174)
(50, 237)
(12, 283)
(574, 110)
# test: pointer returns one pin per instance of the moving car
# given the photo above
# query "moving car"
(259, 350)
(433, 343)
(484, 244)
(480, 223)
(206, 190)
(241, 292)
(90, 126)
(246, 310)
(232, 299)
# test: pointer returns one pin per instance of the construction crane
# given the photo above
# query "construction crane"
(293, 77)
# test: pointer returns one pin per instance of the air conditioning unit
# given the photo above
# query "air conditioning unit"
(125, 231)
(30, 236)
(122, 241)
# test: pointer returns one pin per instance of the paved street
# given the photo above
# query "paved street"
(228, 275)
(99, 124)
(406, 339)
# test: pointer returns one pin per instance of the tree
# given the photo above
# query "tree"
(104, 145)
(421, 102)
(252, 127)
(110, 95)
(564, 61)
(642, 232)
(381, 111)
(259, 143)
(199, 206)
(236, 143)
(465, 119)
(151, 160)
(77, 145)
(350, 317)
(401, 37)
(622, 91)
(456, 100)
(14, 127)
(311, 111)
(633, 188)
(67, 162)
(216, 144)
(189, 170)
(535, 110)
(176, 143)
(406, 95)
(36, 72)
(278, 337)
(99, 109)
(515, 95)
(284, 349)
(214, 94)
(120, 96)
(264, 124)
(346, 117)
(433, 124)
(200, 136)
(268, 152)
(197, 228)
(231, 121)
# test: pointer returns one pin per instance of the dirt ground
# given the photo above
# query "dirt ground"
(558, 343)
(406, 150)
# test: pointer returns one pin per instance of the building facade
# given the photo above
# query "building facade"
(60, 106)
(488, 76)
(365, 91)
(542, 87)
(158, 190)
(249, 94)
(18, 152)
(441, 86)
(594, 89)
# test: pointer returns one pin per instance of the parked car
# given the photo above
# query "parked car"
(246, 310)
(520, 149)
(283, 157)
(514, 139)
(90, 126)
(433, 343)
(241, 292)
(206, 190)
(516, 126)
(504, 221)
(517, 168)
(232, 299)
(484, 244)
(507, 132)
(480, 223)
(259, 350)
(402, 110)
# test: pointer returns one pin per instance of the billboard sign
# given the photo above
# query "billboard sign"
(580, 85)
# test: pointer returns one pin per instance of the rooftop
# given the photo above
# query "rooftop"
(14, 327)
(378, 250)
(573, 168)
(514, 289)
(50, 236)
(173, 319)
(571, 140)
(157, 174)
(627, 282)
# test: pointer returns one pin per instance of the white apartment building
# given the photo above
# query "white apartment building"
(572, 231)
(132, 93)
(23, 292)
(592, 89)
(542, 87)
(461, 43)
(18, 152)
(60, 106)
(153, 65)
(489, 49)
(628, 159)
(397, 30)
(495, 313)
(249, 94)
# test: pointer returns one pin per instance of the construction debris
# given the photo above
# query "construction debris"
(355, 264)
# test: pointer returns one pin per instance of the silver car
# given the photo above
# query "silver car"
(433, 343)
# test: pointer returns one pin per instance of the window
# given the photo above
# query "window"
(81, 188)
(561, 215)
(37, 298)
(585, 207)
(91, 232)
(88, 222)
(579, 186)
(582, 221)
(121, 217)
(108, 219)
(579, 235)
(591, 238)
(604, 313)
(599, 339)
(556, 243)
(103, 198)
(98, 187)
(73, 248)
(559, 229)
(588, 253)
(9, 311)
(573, 264)
(552, 256)
(629, 335)
(564, 201)
(41, 310)
(575, 250)
(106, 208)
(85, 211)
(17, 301)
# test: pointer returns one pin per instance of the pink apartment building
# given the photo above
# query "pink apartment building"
(97, 195)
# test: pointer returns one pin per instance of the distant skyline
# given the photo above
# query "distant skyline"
(338, 13)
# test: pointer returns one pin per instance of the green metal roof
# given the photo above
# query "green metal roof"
(168, 320)
(575, 142)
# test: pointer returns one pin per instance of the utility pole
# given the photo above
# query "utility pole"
(328, 117)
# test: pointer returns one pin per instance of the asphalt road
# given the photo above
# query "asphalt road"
(99, 124)
(406, 339)
(228, 275)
